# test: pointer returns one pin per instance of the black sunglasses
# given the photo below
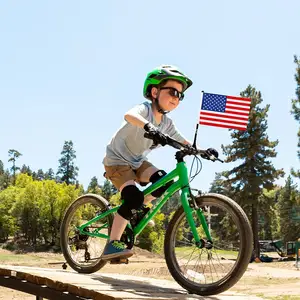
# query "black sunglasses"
(173, 92)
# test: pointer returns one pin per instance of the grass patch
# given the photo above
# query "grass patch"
(6, 258)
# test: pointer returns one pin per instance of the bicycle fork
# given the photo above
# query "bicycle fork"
(189, 207)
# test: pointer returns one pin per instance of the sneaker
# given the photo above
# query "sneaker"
(138, 216)
(116, 249)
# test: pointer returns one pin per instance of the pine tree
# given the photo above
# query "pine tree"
(94, 187)
(49, 175)
(289, 228)
(93, 184)
(218, 185)
(267, 214)
(14, 154)
(1, 168)
(296, 108)
(34, 175)
(5, 178)
(253, 149)
(108, 189)
(26, 170)
(67, 168)
(40, 175)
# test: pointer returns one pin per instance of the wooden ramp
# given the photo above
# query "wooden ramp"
(66, 284)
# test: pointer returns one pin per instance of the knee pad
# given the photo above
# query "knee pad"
(155, 177)
(133, 199)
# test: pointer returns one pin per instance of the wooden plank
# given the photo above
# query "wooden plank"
(39, 283)
(34, 289)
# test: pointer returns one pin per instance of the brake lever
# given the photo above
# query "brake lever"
(213, 158)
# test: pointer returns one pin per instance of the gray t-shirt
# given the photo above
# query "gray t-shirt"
(128, 146)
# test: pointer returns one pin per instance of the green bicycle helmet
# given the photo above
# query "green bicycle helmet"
(164, 72)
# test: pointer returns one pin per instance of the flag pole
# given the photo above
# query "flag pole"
(198, 120)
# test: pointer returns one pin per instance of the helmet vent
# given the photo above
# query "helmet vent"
(175, 71)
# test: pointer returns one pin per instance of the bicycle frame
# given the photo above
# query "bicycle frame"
(182, 183)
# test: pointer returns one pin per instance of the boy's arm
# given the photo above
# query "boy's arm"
(136, 116)
(135, 119)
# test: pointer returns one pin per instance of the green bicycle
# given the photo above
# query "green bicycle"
(207, 245)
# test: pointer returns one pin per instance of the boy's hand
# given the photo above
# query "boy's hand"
(158, 137)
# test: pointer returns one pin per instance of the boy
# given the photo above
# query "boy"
(125, 162)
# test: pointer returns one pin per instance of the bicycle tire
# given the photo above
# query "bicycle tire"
(240, 265)
(88, 198)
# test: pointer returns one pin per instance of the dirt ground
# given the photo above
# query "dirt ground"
(276, 280)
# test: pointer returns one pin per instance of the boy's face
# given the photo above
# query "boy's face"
(169, 94)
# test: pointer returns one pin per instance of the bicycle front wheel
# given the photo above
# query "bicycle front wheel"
(205, 271)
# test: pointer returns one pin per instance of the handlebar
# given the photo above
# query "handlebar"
(188, 150)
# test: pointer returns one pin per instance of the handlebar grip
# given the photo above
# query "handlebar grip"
(170, 141)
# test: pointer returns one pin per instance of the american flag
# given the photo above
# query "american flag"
(225, 111)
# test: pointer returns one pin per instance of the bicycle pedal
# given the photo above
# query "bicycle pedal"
(118, 261)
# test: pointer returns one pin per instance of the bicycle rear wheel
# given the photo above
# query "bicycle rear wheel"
(209, 271)
(81, 251)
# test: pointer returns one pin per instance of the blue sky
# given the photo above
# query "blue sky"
(69, 70)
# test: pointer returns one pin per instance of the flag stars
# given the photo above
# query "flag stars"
(214, 102)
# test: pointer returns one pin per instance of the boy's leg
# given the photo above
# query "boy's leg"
(123, 179)
(143, 174)
(149, 173)
(119, 223)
